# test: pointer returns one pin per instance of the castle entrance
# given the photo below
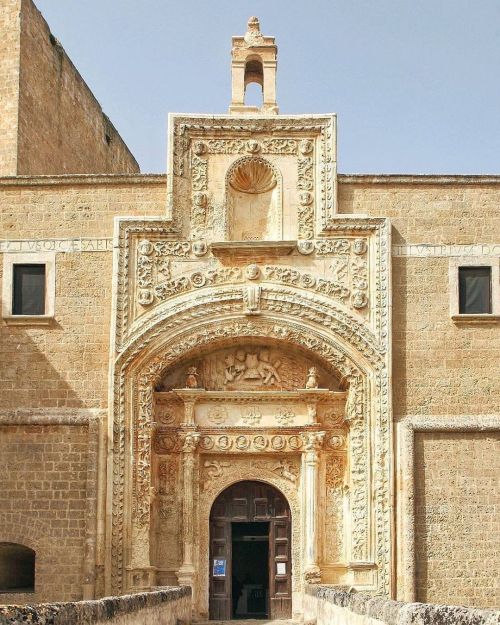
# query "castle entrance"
(250, 561)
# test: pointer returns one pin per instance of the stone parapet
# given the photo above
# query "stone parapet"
(164, 606)
(325, 605)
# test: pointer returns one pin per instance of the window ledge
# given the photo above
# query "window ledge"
(28, 320)
(485, 318)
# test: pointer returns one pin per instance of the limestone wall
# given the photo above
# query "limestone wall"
(165, 606)
(50, 121)
(68, 361)
(441, 370)
(440, 367)
(46, 494)
(62, 128)
(326, 605)
(456, 517)
(9, 84)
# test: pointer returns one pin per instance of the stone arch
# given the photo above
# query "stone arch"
(17, 567)
(253, 198)
(290, 492)
(165, 343)
(37, 535)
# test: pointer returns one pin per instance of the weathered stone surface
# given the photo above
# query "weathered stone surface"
(51, 123)
(326, 605)
(165, 606)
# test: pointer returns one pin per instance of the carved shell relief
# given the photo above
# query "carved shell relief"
(252, 175)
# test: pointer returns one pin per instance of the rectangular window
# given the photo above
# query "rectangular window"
(28, 296)
(474, 290)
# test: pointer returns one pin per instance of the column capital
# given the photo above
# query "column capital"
(313, 441)
(189, 441)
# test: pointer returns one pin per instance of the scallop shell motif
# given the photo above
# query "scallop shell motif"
(253, 176)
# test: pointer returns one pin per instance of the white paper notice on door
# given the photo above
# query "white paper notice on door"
(280, 568)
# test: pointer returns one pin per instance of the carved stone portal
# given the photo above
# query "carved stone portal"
(265, 360)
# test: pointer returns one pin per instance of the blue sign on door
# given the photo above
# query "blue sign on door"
(219, 568)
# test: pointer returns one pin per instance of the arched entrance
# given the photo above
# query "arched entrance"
(250, 555)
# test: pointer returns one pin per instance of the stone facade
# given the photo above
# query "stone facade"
(310, 347)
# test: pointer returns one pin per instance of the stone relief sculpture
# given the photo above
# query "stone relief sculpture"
(249, 367)
(182, 320)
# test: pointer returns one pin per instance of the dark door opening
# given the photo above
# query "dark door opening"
(250, 570)
(250, 553)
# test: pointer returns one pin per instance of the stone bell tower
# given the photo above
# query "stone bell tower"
(254, 60)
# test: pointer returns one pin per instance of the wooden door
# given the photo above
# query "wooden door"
(250, 502)
(280, 574)
(220, 565)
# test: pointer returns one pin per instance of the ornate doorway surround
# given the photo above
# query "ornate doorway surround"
(187, 301)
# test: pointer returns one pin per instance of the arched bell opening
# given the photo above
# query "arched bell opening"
(250, 553)
(254, 81)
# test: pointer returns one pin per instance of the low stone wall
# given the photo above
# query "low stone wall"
(165, 606)
(326, 605)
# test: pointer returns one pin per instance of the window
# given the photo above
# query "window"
(474, 290)
(28, 288)
(17, 568)
(28, 297)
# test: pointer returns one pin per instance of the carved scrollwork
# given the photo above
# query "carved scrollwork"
(292, 277)
(305, 186)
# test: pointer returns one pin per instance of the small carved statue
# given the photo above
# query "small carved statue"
(192, 378)
(312, 378)
(239, 365)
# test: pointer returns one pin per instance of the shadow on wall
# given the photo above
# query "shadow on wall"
(30, 379)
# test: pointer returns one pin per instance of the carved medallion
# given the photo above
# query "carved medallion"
(217, 414)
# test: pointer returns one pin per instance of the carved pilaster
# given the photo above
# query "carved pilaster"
(313, 442)
(187, 571)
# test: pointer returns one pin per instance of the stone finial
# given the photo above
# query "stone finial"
(253, 35)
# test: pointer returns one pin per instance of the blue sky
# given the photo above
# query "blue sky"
(415, 83)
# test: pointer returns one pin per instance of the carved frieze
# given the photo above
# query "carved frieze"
(165, 270)
(168, 442)
(335, 478)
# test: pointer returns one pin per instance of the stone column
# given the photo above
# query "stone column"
(312, 444)
(187, 571)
